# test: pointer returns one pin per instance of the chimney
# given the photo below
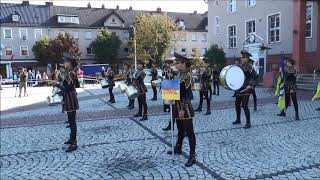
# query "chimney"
(49, 3)
(195, 12)
(130, 8)
(117, 7)
(158, 9)
(89, 5)
(102, 6)
(25, 3)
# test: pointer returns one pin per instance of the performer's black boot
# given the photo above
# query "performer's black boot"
(144, 117)
(208, 111)
(248, 124)
(236, 121)
(199, 109)
(191, 160)
(168, 128)
(177, 149)
(73, 146)
(318, 109)
(131, 104)
(139, 114)
(297, 116)
(282, 113)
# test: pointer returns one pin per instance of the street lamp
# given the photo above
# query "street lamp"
(135, 47)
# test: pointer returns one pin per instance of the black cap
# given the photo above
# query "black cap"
(140, 62)
(246, 53)
(251, 61)
(70, 58)
(180, 58)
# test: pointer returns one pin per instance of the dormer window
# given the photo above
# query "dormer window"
(113, 20)
(15, 18)
(181, 23)
(68, 19)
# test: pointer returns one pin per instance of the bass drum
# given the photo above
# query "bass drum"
(232, 77)
(53, 100)
(104, 83)
(131, 92)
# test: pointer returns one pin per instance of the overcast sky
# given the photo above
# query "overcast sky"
(166, 5)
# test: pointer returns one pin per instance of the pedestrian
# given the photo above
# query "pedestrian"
(45, 78)
(181, 109)
(23, 76)
(30, 78)
(111, 84)
(243, 94)
(290, 74)
(38, 78)
(138, 81)
(216, 79)
(205, 74)
(69, 84)
(154, 76)
(80, 77)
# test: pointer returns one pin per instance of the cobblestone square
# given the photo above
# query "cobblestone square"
(113, 145)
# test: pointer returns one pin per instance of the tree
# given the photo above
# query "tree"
(196, 58)
(215, 55)
(41, 50)
(63, 43)
(154, 33)
(105, 46)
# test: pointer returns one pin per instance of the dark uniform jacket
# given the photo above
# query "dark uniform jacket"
(68, 80)
(216, 74)
(128, 76)
(290, 77)
(182, 108)
(205, 80)
(154, 74)
(139, 81)
(250, 78)
(110, 76)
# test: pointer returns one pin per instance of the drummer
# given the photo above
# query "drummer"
(205, 74)
(243, 94)
(111, 84)
(128, 76)
(154, 76)
(138, 82)
(182, 110)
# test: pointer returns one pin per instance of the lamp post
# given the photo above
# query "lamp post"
(135, 47)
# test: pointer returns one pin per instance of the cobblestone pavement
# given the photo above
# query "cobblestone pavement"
(113, 145)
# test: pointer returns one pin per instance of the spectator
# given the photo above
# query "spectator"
(38, 78)
(23, 81)
(0, 82)
(45, 78)
(80, 76)
(30, 78)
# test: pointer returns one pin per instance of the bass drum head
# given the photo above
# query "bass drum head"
(234, 77)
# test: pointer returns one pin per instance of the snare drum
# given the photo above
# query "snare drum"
(232, 77)
(122, 87)
(104, 83)
(156, 83)
(56, 99)
(197, 86)
(131, 92)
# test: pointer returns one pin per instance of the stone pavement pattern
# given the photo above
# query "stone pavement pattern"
(113, 147)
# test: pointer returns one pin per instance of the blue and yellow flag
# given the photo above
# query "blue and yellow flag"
(317, 95)
(281, 87)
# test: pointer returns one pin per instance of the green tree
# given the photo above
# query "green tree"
(216, 55)
(196, 58)
(154, 33)
(105, 46)
(63, 43)
(41, 50)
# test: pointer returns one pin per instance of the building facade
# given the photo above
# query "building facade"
(266, 29)
(23, 24)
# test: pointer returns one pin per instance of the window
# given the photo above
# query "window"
(309, 10)
(194, 37)
(171, 51)
(183, 50)
(181, 24)
(8, 51)
(61, 19)
(217, 19)
(89, 51)
(113, 20)
(232, 36)
(23, 34)
(37, 33)
(7, 33)
(75, 34)
(75, 20)
(88, 35)
(24, 50)
(251, 3)
(203, 51)
(274, 28)
(204, 37)
(231, 6)
(250, 27)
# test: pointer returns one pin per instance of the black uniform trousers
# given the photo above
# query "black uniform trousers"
(242, 100)
(216, 86)
(111, 93)
(293, 96)
(142, 100)
(154, 89)
(254, 98)
(206, 95)
(186, 126)
(73, 125)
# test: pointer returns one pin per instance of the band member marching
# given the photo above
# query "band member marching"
(111, 83)
(182, 110)
(205, 75)
(154, 76)
(68, 84)
(290, 87)
(142, 90)
(216, 80)
(243, 94)
(129, 81)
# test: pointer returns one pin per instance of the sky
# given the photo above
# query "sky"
(166, 5)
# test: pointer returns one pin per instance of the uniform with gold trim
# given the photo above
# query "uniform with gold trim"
(205, 75)
(138, 81)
